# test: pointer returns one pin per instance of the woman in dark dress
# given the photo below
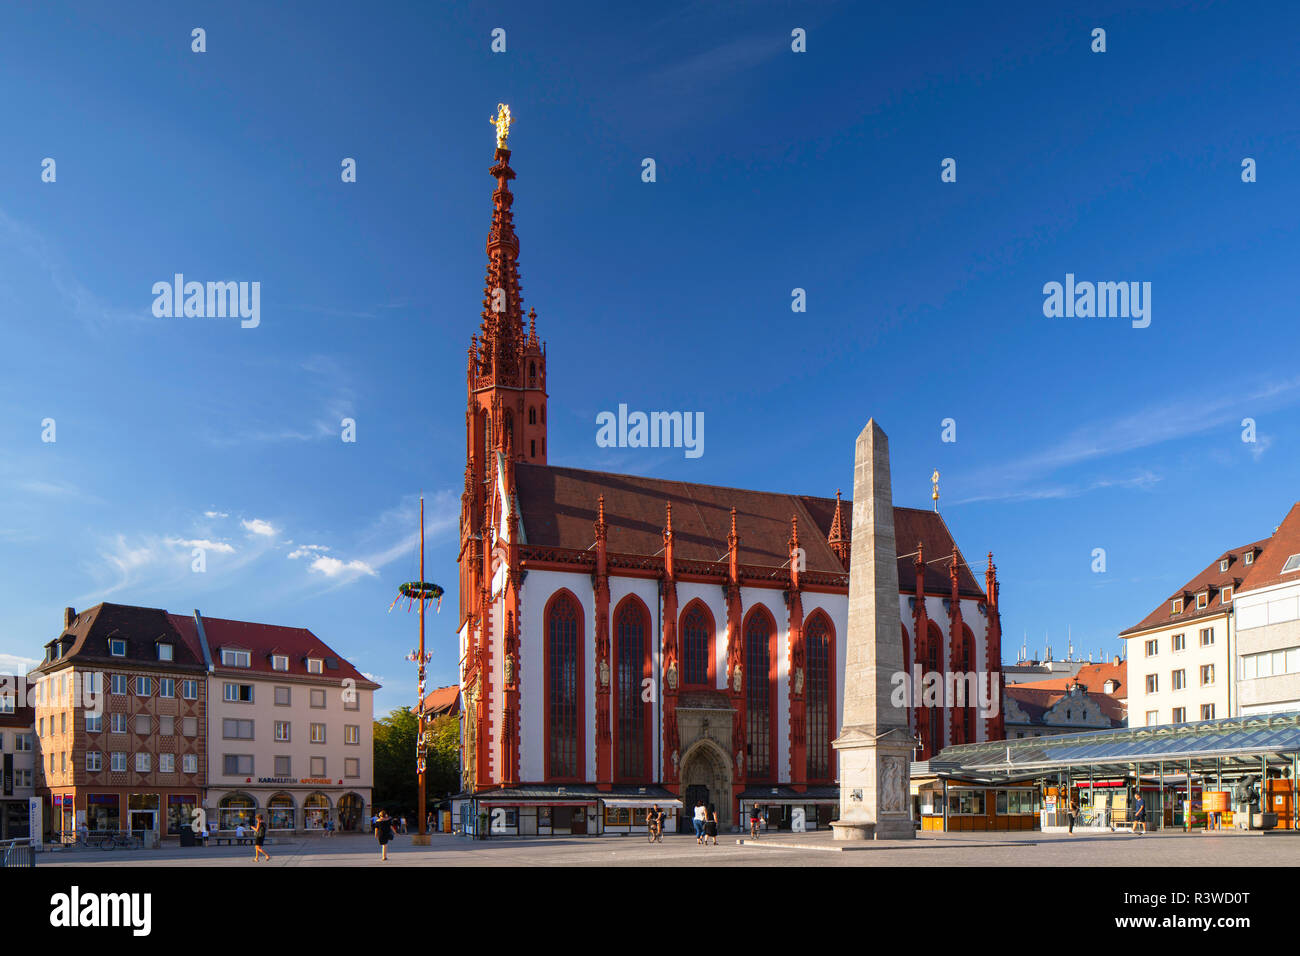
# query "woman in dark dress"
(259, 834)
(711, 824)
(384, 833)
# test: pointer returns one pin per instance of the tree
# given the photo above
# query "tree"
(396, 783)
(395, 780)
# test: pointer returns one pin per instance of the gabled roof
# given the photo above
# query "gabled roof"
(1211, 579)
(1037, 701)
(558, 509)
(1267, 569)
(262, 640)
(442, 700)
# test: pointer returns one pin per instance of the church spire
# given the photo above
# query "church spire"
(838, 541)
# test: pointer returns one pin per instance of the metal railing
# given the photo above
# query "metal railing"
(17, 853)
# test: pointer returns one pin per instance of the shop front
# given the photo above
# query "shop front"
(784, 808)
(562, 811)
(289, 810)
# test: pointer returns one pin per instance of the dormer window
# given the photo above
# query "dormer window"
(166, 652)
(314, 665)
(232, 658)
(117, 646)
(1292, 564)
(1202, 600)
(1250, 557)
(279, 662)
(1226, 595)
(1177, 607)
(1223, 565)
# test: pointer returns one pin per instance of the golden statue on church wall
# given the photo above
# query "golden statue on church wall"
(502, 122)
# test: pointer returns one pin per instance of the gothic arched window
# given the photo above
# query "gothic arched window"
(819, 695)
(564, 756)
(632, 667)
(697, 647)
(760, 694)
(532, 414)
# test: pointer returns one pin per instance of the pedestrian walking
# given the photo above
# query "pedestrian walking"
(259, 834)
(1140, 815)
(711, 824)
(383, 833)
(699, 820)
(1073, 814)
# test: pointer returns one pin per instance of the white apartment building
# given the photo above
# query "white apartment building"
(290, 728)
(1268, 625)
(1181, 655)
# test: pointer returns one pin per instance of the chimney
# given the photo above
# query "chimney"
(1117, 659)
(69, 614)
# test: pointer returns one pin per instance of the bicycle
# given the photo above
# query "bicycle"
(655, 833)
(755, 824)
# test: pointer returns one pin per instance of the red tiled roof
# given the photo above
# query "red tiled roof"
(558, 508)
(263, 640)
(1093, 677)
(442, 700)
(1211, 579)
(1285, 542)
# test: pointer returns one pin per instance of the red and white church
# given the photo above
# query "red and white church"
(627, 640)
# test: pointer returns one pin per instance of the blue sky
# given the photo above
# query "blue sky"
(775, 170)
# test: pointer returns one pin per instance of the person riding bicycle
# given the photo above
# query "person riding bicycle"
(655, 820)
(755, 818)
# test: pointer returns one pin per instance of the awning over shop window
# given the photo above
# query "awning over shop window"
(790, 801)
(638, 803)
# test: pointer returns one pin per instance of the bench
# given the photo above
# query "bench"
(231, 839)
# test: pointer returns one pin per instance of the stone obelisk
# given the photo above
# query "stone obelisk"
(875, 746)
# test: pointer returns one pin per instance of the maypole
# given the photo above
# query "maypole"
(420, 592)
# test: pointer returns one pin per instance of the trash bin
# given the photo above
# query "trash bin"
(187, 836)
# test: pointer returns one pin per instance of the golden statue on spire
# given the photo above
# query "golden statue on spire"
(502, 122)
(935, 481)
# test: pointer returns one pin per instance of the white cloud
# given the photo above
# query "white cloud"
(307, 551)
(220, 547)
(14, 664)
(258, 526)
(216, 514)
(334, 568)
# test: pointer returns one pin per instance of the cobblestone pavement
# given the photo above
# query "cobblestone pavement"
(1171, 849)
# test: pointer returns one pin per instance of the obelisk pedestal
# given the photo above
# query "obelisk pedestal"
(875, 745)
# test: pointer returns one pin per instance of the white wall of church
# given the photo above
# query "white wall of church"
(648, 591)
(711, 595)
(971, 617)
(836, 607)
(537, 590)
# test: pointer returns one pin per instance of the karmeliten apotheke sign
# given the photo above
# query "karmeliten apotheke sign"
(314, 781)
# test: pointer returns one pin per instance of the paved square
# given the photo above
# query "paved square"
(1166, 849)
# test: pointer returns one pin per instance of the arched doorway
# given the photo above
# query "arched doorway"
(316, 810)
(282, 811)
(706, 777)
(236, 810)
(350, 807)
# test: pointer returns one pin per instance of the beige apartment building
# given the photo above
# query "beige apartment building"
(290, 728)
(1268, 625)
(1180, 656)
